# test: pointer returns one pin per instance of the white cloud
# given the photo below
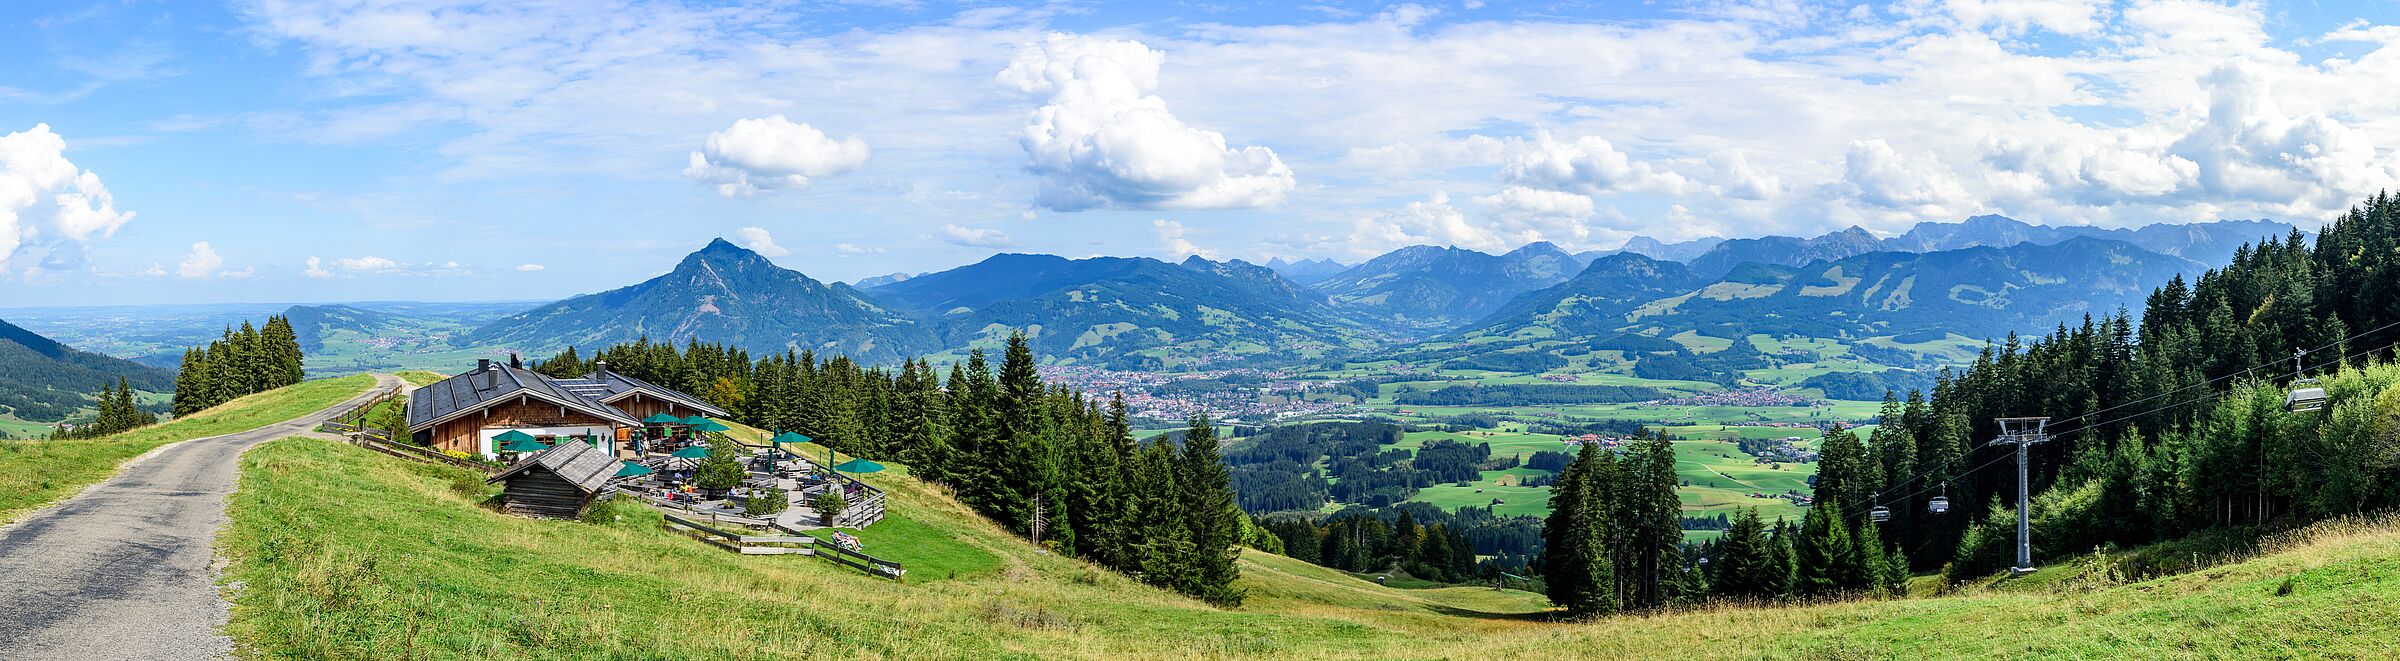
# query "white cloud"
(316, 268)
(772, 153)
(848, 249)
(1172, 241)
(49, 208)
(758, 240)
(201, 263)
(974, 237)
(1588, 165)
(1104, 138)
(369, 264)
(1534, 214)
(1878, 176)
(529, 268)
(1431, 221)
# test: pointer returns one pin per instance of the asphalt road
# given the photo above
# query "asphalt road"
(127, 569)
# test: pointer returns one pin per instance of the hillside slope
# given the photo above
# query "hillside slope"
(43, 380)
(343, 553)
(1428, 288)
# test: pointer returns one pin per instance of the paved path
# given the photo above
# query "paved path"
(126, 569)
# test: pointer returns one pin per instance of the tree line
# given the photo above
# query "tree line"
(250, 360)
(117, 414)
(1006, 444)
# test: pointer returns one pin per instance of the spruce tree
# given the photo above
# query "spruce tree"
(1575, 561)
(1742, 568)
(1827, 555)
(1214, 520)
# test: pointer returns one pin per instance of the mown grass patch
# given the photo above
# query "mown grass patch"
(34, 473)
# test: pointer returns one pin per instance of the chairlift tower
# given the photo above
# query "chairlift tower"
(2023, 432)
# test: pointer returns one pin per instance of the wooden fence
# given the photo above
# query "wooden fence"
(792, 542)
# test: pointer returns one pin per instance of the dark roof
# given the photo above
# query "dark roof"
(580, 464)
(619, 384)
(468, 392)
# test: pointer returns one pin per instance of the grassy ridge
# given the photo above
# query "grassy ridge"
(34, 473)
(345, 554)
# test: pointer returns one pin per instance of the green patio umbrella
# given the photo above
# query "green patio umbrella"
(858, 466)
(697, 420)
(662, 419)
(693, 452)
(777, 442)
(527, 445)
(710, 425)
(512, 436)
(631, 470)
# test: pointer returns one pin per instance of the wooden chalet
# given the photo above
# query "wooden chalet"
(465, 413)
(556, 483)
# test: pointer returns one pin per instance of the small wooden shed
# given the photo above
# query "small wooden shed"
(556, 483)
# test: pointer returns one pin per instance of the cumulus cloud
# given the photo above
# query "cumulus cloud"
(1588, 165)
(976, 237)
(49, 208)
(848, 249)
(758, 240)
(1533, 214)
(1172, 241)
(1430, 221)
(1875, 174)
(1104, 138)
(529, 268)
(201, 263)
(316, 268)
(771, 153)
(368, 264)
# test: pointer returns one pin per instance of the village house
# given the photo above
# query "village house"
(465, 413)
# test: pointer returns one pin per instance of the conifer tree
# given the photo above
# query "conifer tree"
(1576, 568)
(1214, 520)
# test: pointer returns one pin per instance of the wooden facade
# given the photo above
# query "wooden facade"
(468, 433)
(642, 405)
(556, 483)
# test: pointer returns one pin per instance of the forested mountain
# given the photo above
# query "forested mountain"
(1783, 251)
(42, 380)
(1430, 288)
(1975, 292)
(721, 294)
(1128, 312)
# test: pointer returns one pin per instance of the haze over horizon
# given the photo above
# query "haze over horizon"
(275, 150)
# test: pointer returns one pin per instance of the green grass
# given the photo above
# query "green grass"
(421, 378)
(342, 553)
(35, 473)
(927, 551)
(345, 554)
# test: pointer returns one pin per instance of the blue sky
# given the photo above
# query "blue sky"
(158, 152)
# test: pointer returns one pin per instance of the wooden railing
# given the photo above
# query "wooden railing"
(861, 511)
(793, 542)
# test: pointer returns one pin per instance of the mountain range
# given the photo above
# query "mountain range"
(1978, 278)
(722, 294)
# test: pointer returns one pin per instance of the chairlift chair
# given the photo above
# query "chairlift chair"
(1880, 514)
(2305, 400)
(2306, 395)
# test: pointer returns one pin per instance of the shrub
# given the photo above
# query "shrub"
(766, 503)
(717, 473)
(830, 502)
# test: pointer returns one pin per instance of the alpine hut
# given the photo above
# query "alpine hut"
(556, 483)
(467, 413)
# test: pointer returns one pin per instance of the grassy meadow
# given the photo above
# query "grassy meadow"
(34, 473)
(340, 553)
